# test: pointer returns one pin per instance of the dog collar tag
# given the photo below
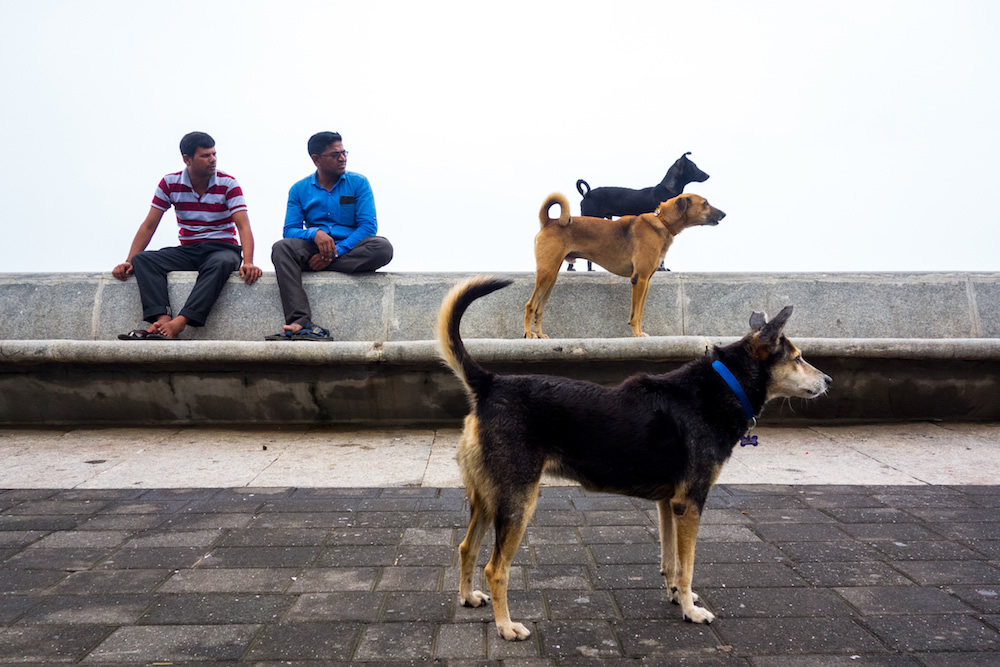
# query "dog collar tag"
(748, 440)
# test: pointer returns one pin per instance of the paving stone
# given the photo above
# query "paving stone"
(215, 609)
(798, 636)
(174, 643)
(562, 577)
(561, 554)
(337, 606)
(396, 641)
(409, 579)
(944, 572)
(152, 558)
(984, 598)
(841, 551)
(13, 607)
(58, 559)
(318, 580)
(350, 556)
(883, 600)
(49, 644)
(246, 580)
(565, 605)
(775, 602)
(862, 573)
(580, 638)
(105, 582)
(926, 550)
(415, 556)
(461, 641)
(29, 582)
(647, 603)
(947, 632)
(89, 609)
(618, 577)
(264, 557)
(669, 639)
(418, 606)
(305, 641)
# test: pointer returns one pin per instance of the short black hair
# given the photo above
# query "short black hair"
(319, 141)
(192, 141)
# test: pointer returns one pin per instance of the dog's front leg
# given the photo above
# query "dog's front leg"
(668, 550)
(640, 288)
(687, 517)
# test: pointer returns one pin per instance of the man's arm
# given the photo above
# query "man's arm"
(139, 243)
(248, 271)
(295, 216)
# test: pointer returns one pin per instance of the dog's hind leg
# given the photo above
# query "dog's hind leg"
(468, 552)
(668, 549)
(511, 522)
(545, 280)
(687, 517)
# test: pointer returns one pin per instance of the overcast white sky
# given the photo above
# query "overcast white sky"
(840, 136)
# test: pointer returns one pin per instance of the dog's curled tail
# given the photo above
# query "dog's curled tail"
(453, 351)
(543, 213)
(580, 185)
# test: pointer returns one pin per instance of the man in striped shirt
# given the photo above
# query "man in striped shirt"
(210, 210)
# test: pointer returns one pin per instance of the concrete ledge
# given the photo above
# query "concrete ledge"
(899, 346)
(99, 382)
(403, 306)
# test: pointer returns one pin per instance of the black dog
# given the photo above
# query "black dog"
(610, 202)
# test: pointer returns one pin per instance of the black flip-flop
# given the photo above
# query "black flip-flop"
(141, 334)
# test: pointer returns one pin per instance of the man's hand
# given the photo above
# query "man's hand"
(317, 263)
(250, 273)
(327, 246)
(122, 271)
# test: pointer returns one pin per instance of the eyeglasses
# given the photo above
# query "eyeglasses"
(336, 155)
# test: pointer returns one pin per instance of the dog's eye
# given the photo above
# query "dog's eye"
(800, 360)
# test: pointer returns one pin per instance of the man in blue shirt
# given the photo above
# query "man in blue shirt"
(330, 225)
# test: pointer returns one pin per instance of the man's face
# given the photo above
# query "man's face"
(202, 165)
(333, 160)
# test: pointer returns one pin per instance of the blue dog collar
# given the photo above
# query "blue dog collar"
(734, 384)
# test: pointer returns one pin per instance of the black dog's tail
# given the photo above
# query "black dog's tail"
(580, 185)
(453, 351)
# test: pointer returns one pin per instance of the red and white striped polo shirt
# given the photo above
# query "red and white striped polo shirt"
(205, 218)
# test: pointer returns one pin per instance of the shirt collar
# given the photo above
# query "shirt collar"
(186, 178)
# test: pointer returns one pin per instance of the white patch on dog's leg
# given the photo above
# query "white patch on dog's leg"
(512, 631)
(475, 599)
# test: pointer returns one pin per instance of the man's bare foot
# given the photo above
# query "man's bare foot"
(171, 328)
(293, 328)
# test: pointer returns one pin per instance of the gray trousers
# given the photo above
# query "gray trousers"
(291, 258)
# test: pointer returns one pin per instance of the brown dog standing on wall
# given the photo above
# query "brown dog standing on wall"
(633, 246)
(662, 437)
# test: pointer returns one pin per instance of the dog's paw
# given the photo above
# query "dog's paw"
(513, 631)
(675, 595)
(698, 615)
(477, 599)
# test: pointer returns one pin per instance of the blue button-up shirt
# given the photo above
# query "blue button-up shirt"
(346, 212)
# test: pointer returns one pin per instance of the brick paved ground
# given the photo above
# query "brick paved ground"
(798, 575)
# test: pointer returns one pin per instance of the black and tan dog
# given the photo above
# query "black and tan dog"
(660, 437)
(631, 246)
(607, 201)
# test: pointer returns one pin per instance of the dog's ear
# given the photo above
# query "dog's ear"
(771, 331)
(757, 320)
(681, 203)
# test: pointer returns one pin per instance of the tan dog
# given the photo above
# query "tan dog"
(633, 246)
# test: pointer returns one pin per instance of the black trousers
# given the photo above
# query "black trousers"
(213, 260)
(291, 258)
